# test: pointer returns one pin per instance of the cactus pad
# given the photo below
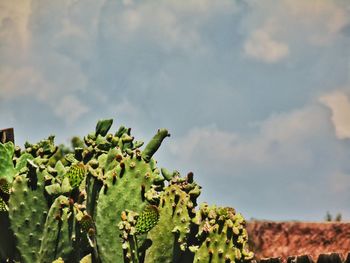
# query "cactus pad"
(27, 212)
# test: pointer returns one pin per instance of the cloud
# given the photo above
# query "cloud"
(35, 71)
(323, 19)
(171, 25)
(282, 138)
(14, 17)
(276, 30)
(29, 82)
(22, 81)
(339, 104)
(287, 155)
(69, 108)
(261, 45)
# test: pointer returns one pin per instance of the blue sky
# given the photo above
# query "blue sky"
(256, 94)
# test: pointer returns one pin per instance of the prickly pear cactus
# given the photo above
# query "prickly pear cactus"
(135, 172)
(221, 236)
(107, 201)
(27, 212)
(176, 210)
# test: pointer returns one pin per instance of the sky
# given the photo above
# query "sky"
(255, 93)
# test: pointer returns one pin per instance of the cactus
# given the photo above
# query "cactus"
(27, 213)
(221, 236)
(177, 202)
(107, 201)
(49, 249)
(133, 173)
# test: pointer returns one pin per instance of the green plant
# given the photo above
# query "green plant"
(107, 201)
(330, 218)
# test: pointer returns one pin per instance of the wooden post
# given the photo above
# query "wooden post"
(7, 135)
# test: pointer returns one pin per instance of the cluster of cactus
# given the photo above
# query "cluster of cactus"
(108, 202)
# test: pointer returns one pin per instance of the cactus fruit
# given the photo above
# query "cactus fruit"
(4, 187)
(76, 174)
(107, 201)
(3, 206)
(147, 219)
(4, 194)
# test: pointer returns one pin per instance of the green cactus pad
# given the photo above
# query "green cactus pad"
(175, 213)
(65, 239)
(147, 219)
(124, 188)
(49, 246)
(221, 236)
(21, 162)
(7, 169)
(154, 144)
(27, 212)
(103, 127)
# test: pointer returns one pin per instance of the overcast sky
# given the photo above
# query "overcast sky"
(255, 93)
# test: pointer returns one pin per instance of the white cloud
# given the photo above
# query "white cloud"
(323, 19)
(69, 108)
(281, 139)
(290, 153)
(24, 81)
(30, 82)
(294, 25)
(14, 17)
(261, 45)
(171, 24)
(339, 104)
(207, 140)
(34, 70)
